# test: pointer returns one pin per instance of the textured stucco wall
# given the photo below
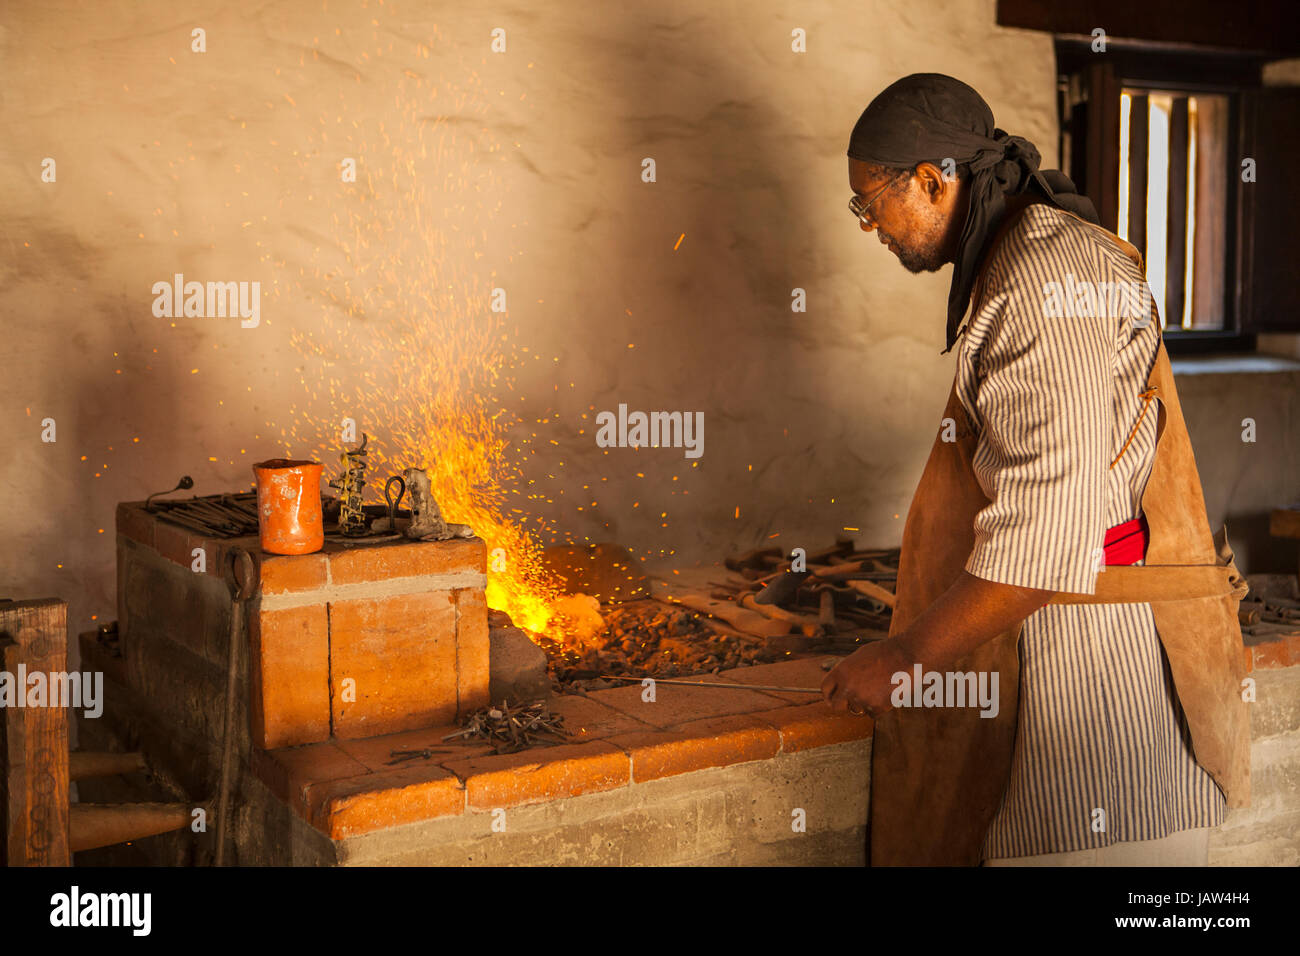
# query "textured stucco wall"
(225, 166)
(1243, 414)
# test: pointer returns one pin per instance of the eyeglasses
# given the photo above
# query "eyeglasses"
(858, 206)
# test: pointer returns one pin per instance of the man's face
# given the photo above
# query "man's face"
(914, 216)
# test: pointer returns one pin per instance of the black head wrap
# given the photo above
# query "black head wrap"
(930, 117)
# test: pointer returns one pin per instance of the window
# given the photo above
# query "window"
(1173, 164)
(1155, 139)
(1172, 110)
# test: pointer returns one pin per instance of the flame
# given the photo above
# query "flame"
(406, 342)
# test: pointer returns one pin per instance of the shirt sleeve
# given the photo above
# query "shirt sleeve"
(1044, 406)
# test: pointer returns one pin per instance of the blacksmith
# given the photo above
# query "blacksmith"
(1058, 536)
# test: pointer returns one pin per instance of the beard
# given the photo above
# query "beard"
(926, 251)
(917, 260)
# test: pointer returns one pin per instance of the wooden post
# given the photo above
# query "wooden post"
(33, 740)
(94, 825)
(1176, 215)
(1139, 142)
(1103, 142)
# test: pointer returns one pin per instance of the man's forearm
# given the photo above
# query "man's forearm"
(965, 616)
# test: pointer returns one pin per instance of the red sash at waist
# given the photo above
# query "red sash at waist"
(1127, 543)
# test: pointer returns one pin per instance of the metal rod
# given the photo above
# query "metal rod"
(188, 521)
(695, 683)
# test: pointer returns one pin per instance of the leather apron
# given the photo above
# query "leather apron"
(938, 774)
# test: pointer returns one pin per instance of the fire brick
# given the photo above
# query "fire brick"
(471, 649)
(549, 773)
(290, 676)
(399, 655)
(287, 575)
(698, 745)
(805, 726)
(404, 624)
(375, 801)
(385, 562)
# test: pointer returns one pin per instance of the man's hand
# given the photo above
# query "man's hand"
(969, 613)
(863, 681)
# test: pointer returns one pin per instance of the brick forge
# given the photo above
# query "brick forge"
(350, 788)
(408, 624)
(350, 642)
(359, 641)
(699, 776)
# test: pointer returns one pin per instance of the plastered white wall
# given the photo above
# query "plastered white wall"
(224, 165)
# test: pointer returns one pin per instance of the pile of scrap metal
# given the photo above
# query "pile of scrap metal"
(511, 728)
(835, 596)
(1268, 616)
(213, 516)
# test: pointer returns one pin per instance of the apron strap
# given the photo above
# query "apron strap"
(1129, 584)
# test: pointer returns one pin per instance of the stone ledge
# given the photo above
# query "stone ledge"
(346, 788)
(349, 789)
(1274, 650)
(736, 815)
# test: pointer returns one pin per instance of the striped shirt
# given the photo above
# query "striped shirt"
(1103, 752)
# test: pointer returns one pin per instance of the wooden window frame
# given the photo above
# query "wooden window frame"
(1138, 65)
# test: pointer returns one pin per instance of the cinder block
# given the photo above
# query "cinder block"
(1276, 709)
(162, 599)
(135, 523)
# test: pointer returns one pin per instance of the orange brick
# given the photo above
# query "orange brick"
(345, 808)
(383, 561)
(799, 672)
(1293, 646)
(678, 704)
(286, 574)
(698, 745)
(587, 719)
(401, 653)
(815, 725)
(135, 523)
(1248, 653)
(290, 772)
(542, 774)
(290, 702)
(1274, 653)
(377, 752)
(471, 649)
(173, 543)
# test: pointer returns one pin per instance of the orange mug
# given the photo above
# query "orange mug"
(289, 515)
